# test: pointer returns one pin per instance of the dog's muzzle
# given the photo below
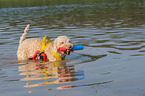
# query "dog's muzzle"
(69, 49)
(66, 50)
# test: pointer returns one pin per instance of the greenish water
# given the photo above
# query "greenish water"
(31, 3)
(112, 62)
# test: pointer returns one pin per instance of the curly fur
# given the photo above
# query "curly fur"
(28, 47)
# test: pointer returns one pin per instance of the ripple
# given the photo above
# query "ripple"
(84, 85)
(92, 58)
(102, 45)
(137, 55)
(129, 47)
(114, 52)
(102, 41)
(141, 51)
(105, 73)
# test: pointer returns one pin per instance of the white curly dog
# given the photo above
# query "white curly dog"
(28, 47)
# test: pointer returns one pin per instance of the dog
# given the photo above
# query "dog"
(28, 47)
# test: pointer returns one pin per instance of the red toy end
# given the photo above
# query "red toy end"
(35, 55)
(62, 49)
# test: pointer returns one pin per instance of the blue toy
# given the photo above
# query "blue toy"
(77, 47)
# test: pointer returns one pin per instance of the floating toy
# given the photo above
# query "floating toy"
(75, 47)
(42, 56)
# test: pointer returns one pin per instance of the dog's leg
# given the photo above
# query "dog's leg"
(24, 34)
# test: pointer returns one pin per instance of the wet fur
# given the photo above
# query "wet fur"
(28, 47)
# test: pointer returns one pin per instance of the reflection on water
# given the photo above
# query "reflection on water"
(72, 86)
(49, 73)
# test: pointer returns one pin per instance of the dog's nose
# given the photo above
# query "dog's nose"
(70, 47)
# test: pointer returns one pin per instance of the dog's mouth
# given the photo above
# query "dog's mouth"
(66, 50)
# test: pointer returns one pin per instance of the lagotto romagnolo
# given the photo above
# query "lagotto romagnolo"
(28, 47)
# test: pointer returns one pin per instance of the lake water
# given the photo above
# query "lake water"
(112, 62)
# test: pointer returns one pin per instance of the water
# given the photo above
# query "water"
(112, 62)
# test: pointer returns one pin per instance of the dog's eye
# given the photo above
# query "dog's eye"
(62, 42)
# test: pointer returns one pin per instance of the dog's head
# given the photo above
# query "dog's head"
(62, 41)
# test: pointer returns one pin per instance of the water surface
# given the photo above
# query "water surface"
(112, 62)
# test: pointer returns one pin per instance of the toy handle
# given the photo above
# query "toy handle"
(77, 47)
